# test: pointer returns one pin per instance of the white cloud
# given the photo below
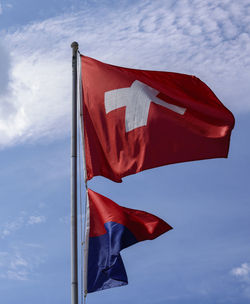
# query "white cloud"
(36, 219)
(33, 245)
(11, 226)
(242, 274)
(14, 266)
(9, 5)
(1, 10)
(208, 39)
(20, 222)
(18, 261)
(21, 275)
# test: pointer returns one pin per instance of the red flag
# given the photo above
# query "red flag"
(136, 120)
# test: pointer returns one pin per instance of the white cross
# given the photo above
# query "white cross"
(137, 99)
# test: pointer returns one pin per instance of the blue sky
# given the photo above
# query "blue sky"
(206, 258)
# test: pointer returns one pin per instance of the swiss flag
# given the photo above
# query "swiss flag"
(136, 120)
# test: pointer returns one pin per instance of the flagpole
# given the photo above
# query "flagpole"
(74, 262)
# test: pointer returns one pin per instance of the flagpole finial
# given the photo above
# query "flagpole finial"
(74, 45)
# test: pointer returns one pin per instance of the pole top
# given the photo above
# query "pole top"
(74, 46)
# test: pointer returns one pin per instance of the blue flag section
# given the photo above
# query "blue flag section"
(105, 265)
(110, 229)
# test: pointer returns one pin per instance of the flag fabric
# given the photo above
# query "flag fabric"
(111, 228)
(136, 120)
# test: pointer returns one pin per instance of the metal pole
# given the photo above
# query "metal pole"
(74, 263)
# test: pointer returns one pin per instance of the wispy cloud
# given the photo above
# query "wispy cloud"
(13, 266)
(12, 226)
(1, 10)
(16, 266)
(20, 222)
(208, 39)
(242, 274)
(36, 219)
(9, 5)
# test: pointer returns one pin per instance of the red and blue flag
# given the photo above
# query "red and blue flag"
(110, 229)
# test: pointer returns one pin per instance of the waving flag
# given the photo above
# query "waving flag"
(136, 120)
(111, 228)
